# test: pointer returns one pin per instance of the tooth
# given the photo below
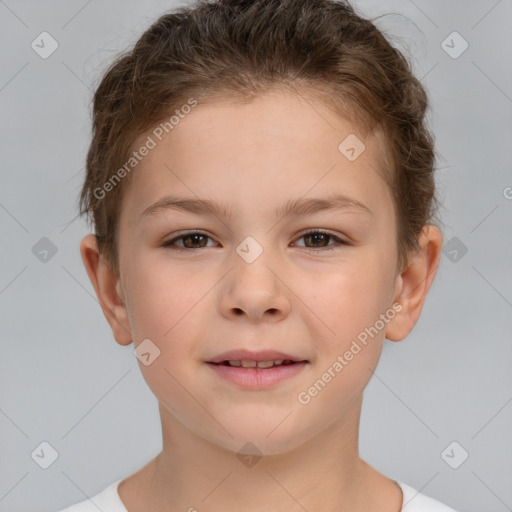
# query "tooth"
(278, 361)
(265, 364)
(248, 364)
(235, 363)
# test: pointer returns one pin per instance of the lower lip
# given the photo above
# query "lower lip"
(257, 378)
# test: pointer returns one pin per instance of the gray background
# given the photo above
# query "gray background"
(64, 379)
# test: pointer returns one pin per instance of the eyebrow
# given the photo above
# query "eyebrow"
(301, 206)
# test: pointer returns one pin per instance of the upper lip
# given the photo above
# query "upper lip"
(247, 355)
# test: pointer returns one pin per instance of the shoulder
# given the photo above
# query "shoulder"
(107, 500)
(415, 501)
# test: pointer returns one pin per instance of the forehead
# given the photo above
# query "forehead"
(279, 146)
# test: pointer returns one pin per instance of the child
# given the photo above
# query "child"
(260, 180)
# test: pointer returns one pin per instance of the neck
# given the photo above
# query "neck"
(324, 474)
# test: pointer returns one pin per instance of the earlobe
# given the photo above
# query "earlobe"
(108, 290)
(414, 282)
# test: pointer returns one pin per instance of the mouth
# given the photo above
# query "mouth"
(249, 359)
(256, 370)
(251, 363)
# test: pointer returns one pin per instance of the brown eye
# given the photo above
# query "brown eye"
(192, 240)
(313, 240)
(319, 239)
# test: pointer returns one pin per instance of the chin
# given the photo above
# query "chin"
(261, 438)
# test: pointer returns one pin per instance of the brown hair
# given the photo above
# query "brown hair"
(238, 49)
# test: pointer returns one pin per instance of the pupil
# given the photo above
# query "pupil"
(315, 235)
(195, 237)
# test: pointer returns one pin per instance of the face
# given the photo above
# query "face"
(251, 282)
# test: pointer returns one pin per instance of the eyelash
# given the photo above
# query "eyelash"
(339, 241)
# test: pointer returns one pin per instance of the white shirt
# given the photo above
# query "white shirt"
(108, 500)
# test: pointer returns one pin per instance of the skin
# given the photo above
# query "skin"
(296, 297)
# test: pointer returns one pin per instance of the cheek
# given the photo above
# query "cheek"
(163, 309)
(162, 296)
(348, 340)
(347, 298)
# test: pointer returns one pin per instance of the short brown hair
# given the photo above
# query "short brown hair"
(239, 49)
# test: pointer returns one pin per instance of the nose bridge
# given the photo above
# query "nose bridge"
(254, 285)
(253, 261)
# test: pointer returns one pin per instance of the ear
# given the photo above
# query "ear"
(108, 289)
(413, 284)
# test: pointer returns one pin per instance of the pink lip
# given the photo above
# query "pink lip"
(246, 355)
(256, 378)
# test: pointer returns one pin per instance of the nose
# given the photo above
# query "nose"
(255, 291)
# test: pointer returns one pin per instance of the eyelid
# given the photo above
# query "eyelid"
(339, 240)
(181, 234)
(323, 231)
